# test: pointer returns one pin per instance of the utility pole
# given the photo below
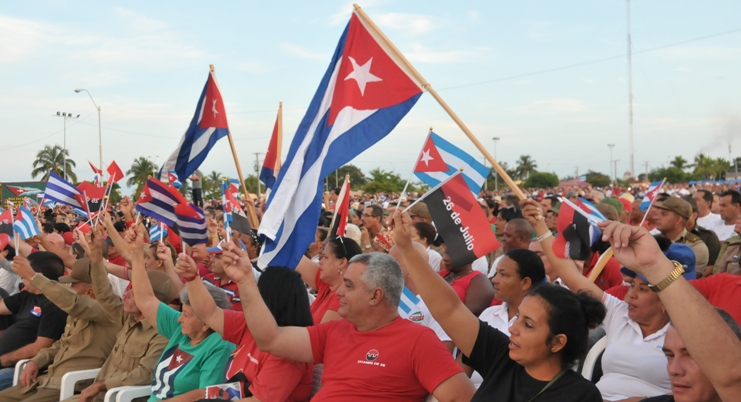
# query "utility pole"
(577, 172)
(646, 171)
(496, 176)
(257, 173)
(65, 116)
(614, 175)
(630, 90)
(615, 162)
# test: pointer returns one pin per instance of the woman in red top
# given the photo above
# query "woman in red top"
(327, 276)
(263, 377)
(472, 287)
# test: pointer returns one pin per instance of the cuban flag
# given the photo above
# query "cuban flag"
(440, 159)
(157, 200)
(361, 98)
(25, 224)
(157, 232)
(234, 185)
(171, 363)
(577, 229)
(208, 126)
(80, 212)
(271, 164)
(407, 303)
(191, 224)
(581, 179)
(653, 190)
(61, 191)
(172, 178)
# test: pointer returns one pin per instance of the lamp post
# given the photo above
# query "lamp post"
(611, 170)
(65, 116)
(496, 176)
(100, 136)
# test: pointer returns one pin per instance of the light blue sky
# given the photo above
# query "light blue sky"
(146, 63)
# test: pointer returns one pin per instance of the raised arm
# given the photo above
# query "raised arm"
(66, 257)
(102, 287)
(308, 269)
(121, 245)
(292, 343)
(143, 292)
(163, 253)
(446, 307)
(709, 340)
(565, 269)
(200, 299)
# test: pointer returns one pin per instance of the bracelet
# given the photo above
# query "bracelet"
(676, 273)
(544, 236)
(196, 276)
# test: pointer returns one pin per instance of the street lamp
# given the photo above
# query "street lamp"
(611, 171)
(65, 116)
(100, 137)
(496, 175)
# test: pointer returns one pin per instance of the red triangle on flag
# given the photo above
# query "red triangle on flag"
(430, 159)
(213, 113)
(179, 358)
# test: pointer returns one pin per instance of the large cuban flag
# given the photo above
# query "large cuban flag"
(208, 126)
(361, 98)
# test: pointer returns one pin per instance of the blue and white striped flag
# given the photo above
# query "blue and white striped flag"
(407, 303)
(61, 191)
(25, 224)
(474, 172)
(80, 212)
(191, 224)
(157, 232)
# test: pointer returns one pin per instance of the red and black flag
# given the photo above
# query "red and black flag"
(577, 229)
(94, 195)
(341, 211)
(460, 221)
(6, 222)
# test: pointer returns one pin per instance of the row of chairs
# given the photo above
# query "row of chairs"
(118, 394)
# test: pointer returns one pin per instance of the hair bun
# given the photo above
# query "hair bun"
(594, 311)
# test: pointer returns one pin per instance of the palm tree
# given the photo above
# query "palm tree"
(140, 171)
(679, 162)
(720, 167)
(704, 166)
(52, 159)
(525, 166)
(212, 185)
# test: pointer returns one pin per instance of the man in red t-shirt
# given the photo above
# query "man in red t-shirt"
(220, 279)
(371, 355)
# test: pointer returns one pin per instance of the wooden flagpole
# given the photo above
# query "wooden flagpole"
(251, 214)
(280, 136)
(427, 87)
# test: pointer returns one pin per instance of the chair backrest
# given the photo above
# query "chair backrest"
(18, 369)
(592, 356)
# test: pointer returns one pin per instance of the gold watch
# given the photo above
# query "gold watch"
(676, 273)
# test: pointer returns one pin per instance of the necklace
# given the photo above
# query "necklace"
(460, 275)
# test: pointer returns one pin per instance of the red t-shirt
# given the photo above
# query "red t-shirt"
(610, 276)
(229, 287)
(721, 290)
(402, 361)
(326, 299)
(271, 378)
(461, 285)
(118, 261)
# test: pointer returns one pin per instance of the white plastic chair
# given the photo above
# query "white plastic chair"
(70, 379)
(18, 369)
(127, 393)
(591, 359)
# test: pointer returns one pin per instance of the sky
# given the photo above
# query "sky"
(550, 79)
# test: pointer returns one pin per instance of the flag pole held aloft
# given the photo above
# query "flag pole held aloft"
(427, 87)
(442, 183)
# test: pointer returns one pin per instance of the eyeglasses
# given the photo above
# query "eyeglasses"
(368, 216)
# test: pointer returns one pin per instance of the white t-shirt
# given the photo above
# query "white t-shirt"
(434, 259)
(723, 231)
(632, 365)
(497, 317)
(708, 221)
(481, 265)
(420, 314)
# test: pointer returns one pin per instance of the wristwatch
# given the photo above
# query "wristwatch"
(367, 246)
(676, 273)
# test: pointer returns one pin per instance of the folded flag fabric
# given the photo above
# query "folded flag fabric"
(6, 222)
(80, 212)
(94, 195)
(407, 303)
(460, 221)
(157, 200)
(172, 178)
(437, 151)
(61, 191)
(157, 232)
(25, 224)
(341, 212)
(271, 164)
(361, 98)
(96, 170)
(577, 229)
(191, 224)
(207, 126)
(234, 185)
(653, 190)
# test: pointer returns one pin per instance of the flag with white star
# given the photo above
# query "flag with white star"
(364, 94)
(440, 159)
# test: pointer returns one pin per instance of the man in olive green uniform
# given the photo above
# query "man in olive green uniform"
(138, 345)
(672, 222)
(707, 236)
(87, 340)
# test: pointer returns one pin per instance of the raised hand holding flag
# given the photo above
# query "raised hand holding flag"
(191, 223)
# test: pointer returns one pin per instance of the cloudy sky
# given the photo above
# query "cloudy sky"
(548, 78)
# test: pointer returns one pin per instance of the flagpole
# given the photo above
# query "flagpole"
(106, 197)
(251, 214)
(226, 220)
(40, 206)
(430, 191)
(87, 208)
(162, 232)
(427, 87)
(645, 214)
(341, 196)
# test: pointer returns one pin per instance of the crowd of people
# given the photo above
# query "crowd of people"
(382, 313)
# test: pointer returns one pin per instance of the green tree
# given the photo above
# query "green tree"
(115, 195)
(140, 171)
(598, 179)
(525, 166)
(541, 180)
(381, 181)
(211, 185)
(52, 159)
(673, 174)
(720, 168)
(357, 178)
(679, 162)
(492, 183)
(704, 166)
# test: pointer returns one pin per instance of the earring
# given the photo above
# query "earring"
(339, 271)
(553, 350)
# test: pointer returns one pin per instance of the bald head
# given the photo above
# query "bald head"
(56, 239)
(517, 234)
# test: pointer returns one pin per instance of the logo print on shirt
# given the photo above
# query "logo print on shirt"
(372, 355)
(36, 311)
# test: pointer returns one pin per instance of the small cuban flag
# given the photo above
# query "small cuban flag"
(407, 302)
(172, 179)
(653, 190)
(157, 232)
(25, 224)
